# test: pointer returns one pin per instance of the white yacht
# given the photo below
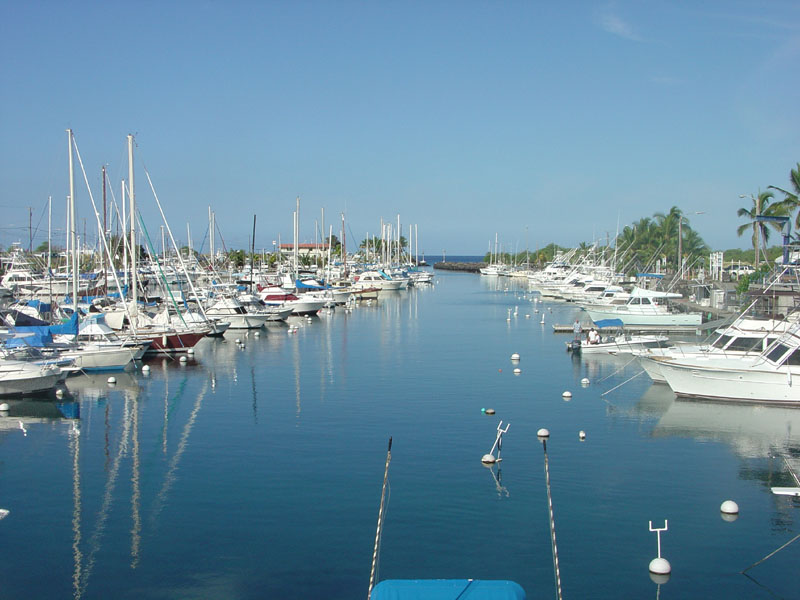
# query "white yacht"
(645, 307)
(231, 310)
(772, 376)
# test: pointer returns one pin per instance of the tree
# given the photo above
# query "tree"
(791, 201)
(762, 206)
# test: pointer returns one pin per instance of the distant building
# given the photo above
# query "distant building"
(313, 250)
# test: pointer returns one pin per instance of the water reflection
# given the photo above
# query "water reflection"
(752, 431)
(497, 477)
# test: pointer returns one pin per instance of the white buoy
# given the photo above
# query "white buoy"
(659, 566)
(59, 393)
(489, 458)
(112, 380)
(729, 507)
(488, 411)
(4, 406)
(183, 359)
(542, 321)
(582, 435)
(567, 394)
(238, 341)
(515, 356)
(584, 381)
(527, 316)
(517, 371)
(543, 434)
(145, 368)
(190, 351)
(257, 334)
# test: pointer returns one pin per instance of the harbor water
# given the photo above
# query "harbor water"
(254, 469)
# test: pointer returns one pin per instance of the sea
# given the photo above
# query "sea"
(256, 468)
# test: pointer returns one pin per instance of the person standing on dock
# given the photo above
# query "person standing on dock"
(577, 329)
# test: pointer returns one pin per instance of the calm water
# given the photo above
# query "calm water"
(256, 472)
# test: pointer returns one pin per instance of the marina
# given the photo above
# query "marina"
(252, 466)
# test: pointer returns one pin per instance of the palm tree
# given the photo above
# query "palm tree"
(791, 201)
(669, 226)
(761, 207)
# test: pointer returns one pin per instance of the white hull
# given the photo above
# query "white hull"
(240, 321)
(20, 377)
(754, 381)
(631, 318)
(95, 359)
(623, 345)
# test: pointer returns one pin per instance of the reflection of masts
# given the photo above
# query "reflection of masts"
(102, 515)
(136, 529)
(75, 447)
(255, 396)
(169, 478)
(296, 355)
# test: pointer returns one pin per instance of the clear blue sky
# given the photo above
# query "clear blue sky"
(545, 120)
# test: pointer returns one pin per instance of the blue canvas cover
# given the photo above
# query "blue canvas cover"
(43, 334)
(447, 589)
(609, 323)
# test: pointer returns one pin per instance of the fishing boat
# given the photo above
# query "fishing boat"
(645, 307)
(744, 336)
(767, 377)
(613, 339)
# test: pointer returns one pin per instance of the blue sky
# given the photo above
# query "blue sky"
(545, 122)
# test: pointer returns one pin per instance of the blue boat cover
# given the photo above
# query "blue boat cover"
(653, 275)
(609, 323)
(43, 334)
(300, 285)
(447, 589)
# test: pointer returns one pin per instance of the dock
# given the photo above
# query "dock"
(696, 329)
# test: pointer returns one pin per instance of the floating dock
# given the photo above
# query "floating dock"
(696, 329)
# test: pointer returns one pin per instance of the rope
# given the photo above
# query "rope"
(621, 384)
(771, 554)
(556, 570)
(380, 521)
(618, 370)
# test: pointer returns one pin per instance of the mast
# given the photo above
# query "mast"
(344, 251)
(211, 233)
(134, 249)
(103, 233)
(296, 235)
(72, 221)
(252, 253)
(124, 233)
(50, 249)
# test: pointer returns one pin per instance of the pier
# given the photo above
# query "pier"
(460, 266)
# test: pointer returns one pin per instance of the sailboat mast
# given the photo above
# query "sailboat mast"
(103, 233)
(252, 252)
(72, 227)
(134, 248)
(296, 235)
(344, 251)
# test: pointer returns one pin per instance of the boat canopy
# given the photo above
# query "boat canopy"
(603, 323)
(447, 589)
